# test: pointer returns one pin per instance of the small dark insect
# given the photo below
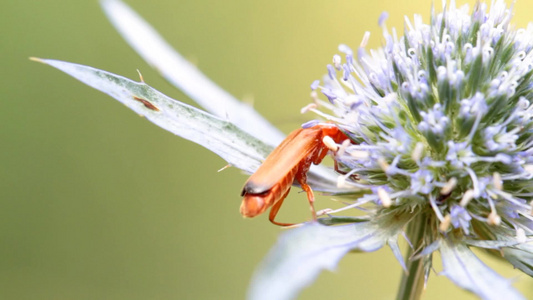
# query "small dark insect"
(146, 103)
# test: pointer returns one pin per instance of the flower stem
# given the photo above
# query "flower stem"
(412, 284)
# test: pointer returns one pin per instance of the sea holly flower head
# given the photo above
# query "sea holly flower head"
(441, 112)
(443, 103)
(440, 125)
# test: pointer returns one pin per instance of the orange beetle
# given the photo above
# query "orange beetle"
(291, 160)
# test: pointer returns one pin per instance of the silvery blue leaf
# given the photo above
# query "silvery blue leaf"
(222, 137)
(520, 257)
(466, 270)
(302, 253)
(184, 75)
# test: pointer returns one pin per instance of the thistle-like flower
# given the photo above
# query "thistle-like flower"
(444, 118)
(440, 122)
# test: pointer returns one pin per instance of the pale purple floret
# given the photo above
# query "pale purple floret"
(460, 218)
(382, 18)
(422, 181)
(498, 139)
(329, 94)
(315, 84)
(310, 124)
(434, 121)
(332, 72)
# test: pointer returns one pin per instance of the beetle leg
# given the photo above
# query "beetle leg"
(336, 166)
(302, 180)
(274, 211)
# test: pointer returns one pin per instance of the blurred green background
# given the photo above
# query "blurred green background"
(98, 203)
